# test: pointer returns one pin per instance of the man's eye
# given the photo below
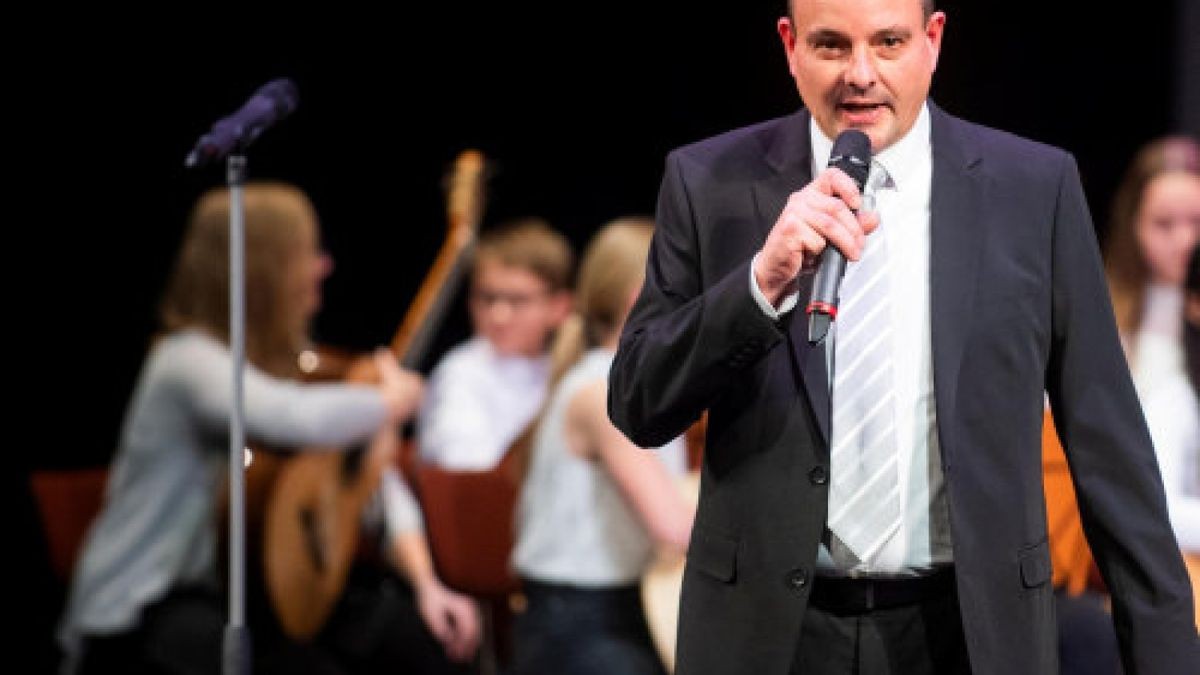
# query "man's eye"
(827, 46)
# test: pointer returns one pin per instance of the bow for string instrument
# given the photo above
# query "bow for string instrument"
(310, 502)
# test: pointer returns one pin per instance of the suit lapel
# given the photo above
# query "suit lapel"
(956, 237)
(955, 246)
(789, 158)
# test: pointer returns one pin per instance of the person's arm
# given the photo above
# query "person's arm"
(450, 617)
(688, 337)
(279, 412)
(1112, 461)
(640, 474)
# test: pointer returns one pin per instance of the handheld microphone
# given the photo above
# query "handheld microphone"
(273, 101)
(852, 154)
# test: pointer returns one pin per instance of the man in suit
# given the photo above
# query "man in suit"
(889, 518)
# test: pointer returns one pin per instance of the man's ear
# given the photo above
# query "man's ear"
(787, 34)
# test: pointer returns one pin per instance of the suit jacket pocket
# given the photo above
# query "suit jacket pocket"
(1035, 564)
(713, 554)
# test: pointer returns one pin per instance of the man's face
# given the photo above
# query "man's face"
(512, 308)
(862, 64)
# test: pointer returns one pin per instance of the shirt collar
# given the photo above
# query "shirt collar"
(899, 160)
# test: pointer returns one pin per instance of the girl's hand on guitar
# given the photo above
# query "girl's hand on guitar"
(451, 617)
(402, 389)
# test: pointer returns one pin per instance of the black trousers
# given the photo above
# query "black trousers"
(1087, 642)
(375, 628)
(568, 630)
(180, 634)
(921, 638)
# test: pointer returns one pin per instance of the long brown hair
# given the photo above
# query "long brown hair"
(281, 225)
(613, 267)
(1124, 264)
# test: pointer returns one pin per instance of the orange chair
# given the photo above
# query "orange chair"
(1193, 565)
(469, 522)
(1070, 556)
(1074, 568)
(67, 501)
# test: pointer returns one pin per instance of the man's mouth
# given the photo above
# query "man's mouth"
(860, 106)
(861, 113)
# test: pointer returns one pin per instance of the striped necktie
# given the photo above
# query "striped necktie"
(864, 490)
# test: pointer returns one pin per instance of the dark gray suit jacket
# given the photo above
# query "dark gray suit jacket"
(1019, 306)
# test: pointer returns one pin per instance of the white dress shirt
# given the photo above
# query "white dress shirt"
(903, 203)
(1157, 354)
(1173, 416)
(476, 405)
(1171, 408)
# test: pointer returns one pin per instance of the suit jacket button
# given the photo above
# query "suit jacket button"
(818, 476)
(797, 579)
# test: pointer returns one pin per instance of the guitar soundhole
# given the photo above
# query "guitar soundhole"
(352, 462)
(312, 537)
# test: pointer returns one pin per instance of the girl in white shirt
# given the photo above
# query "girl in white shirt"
(1154, 226)
(1173, 415)
(593, 506)
(1154, 229)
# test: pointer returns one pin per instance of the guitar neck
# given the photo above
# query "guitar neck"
(434, 300)
(415, 337)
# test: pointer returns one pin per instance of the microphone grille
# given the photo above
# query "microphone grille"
(852, 154)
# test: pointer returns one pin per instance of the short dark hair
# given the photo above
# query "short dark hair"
(529, 244)
(928, 5)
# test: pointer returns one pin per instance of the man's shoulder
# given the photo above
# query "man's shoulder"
(997, 146)
(744, 146)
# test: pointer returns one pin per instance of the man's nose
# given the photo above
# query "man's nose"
(860, 72)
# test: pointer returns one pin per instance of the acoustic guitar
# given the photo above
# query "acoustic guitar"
(663, 582)
(1193, 566)
(306, 506)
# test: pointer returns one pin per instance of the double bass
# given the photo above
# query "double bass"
(304, 508)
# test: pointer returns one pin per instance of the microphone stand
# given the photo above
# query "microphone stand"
(233, 134)
(236, 645)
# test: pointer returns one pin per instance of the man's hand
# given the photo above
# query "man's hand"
(813, 217)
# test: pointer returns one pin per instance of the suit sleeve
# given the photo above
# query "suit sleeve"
(1112, 460)
(687, 336)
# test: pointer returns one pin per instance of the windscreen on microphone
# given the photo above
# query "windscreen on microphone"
(270, 104)
(852, 154)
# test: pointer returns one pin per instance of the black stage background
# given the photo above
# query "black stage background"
(576, 103)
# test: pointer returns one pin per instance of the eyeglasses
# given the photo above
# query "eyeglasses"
(517, 301)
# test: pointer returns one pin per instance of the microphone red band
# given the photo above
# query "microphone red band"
(822, 307)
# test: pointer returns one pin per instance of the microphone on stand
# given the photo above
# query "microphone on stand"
(273, 101)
